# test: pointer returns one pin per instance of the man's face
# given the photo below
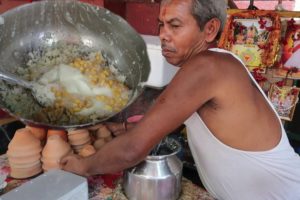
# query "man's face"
(180, 34)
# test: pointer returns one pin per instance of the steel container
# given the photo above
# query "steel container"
(158, 177)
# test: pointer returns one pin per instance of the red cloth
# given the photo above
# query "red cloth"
(296, 48)
(3, 114)
(111, 179)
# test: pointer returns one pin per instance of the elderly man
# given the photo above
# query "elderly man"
(237, 140)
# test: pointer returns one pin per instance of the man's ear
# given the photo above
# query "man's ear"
(211, 29)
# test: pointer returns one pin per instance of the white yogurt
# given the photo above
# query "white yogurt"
(74, 83)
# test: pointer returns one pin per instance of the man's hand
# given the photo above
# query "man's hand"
(119, 128)
(75, 164)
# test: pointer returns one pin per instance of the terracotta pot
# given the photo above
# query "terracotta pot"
(48, 164)
(107, 139)
(95, 128)
(81, 142)
(23, 144)
(53, 163)
(47, 168)
(21, 173)
(55, 148)
(103, 132)
(54, 160)
(12, 153)
(99, 143)
(39, 133)
(61, 133)
(87, 150)
(25, 159)
(25, 165)
(78, 137)
(78, 148)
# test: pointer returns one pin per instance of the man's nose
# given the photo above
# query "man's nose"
(164, 35)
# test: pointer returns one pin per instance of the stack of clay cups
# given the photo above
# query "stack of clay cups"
(87, 150)
(61, 133)
(103, 135)
(39, 133)
(78, 139)
(24, 154)
(55, 149)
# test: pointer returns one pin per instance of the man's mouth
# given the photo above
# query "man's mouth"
(167, 50)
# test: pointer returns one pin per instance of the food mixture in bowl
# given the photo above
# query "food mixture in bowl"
(74, 84)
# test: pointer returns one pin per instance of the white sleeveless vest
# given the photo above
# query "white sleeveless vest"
(229, 173)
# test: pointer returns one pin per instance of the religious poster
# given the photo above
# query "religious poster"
(289, 65)
(254, 37)
(284, 100)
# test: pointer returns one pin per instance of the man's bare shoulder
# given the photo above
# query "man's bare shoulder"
(219, 66)
(205, 76)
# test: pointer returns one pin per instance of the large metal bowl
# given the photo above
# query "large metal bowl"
(44, 23)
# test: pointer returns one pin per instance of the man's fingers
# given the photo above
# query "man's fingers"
(64, 160)
(119, 132)
(113, 127)
(69, 158)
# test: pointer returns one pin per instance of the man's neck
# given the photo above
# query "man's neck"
(203, 47)
(212, 45)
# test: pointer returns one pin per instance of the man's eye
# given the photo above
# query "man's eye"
(160, 24)
(174, 26)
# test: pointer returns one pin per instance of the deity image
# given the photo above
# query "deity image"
(251, 34)
(294, 60)
(284, 100)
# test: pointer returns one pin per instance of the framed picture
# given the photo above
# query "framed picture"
(254, 36)
(284, 99)
(289, 65)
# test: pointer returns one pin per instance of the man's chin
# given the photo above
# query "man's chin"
(173, 61)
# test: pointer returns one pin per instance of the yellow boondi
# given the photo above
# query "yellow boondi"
(98, 76)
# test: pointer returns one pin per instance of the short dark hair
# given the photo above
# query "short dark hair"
(205, 10)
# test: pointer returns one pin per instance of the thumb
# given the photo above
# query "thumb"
(64, 160)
